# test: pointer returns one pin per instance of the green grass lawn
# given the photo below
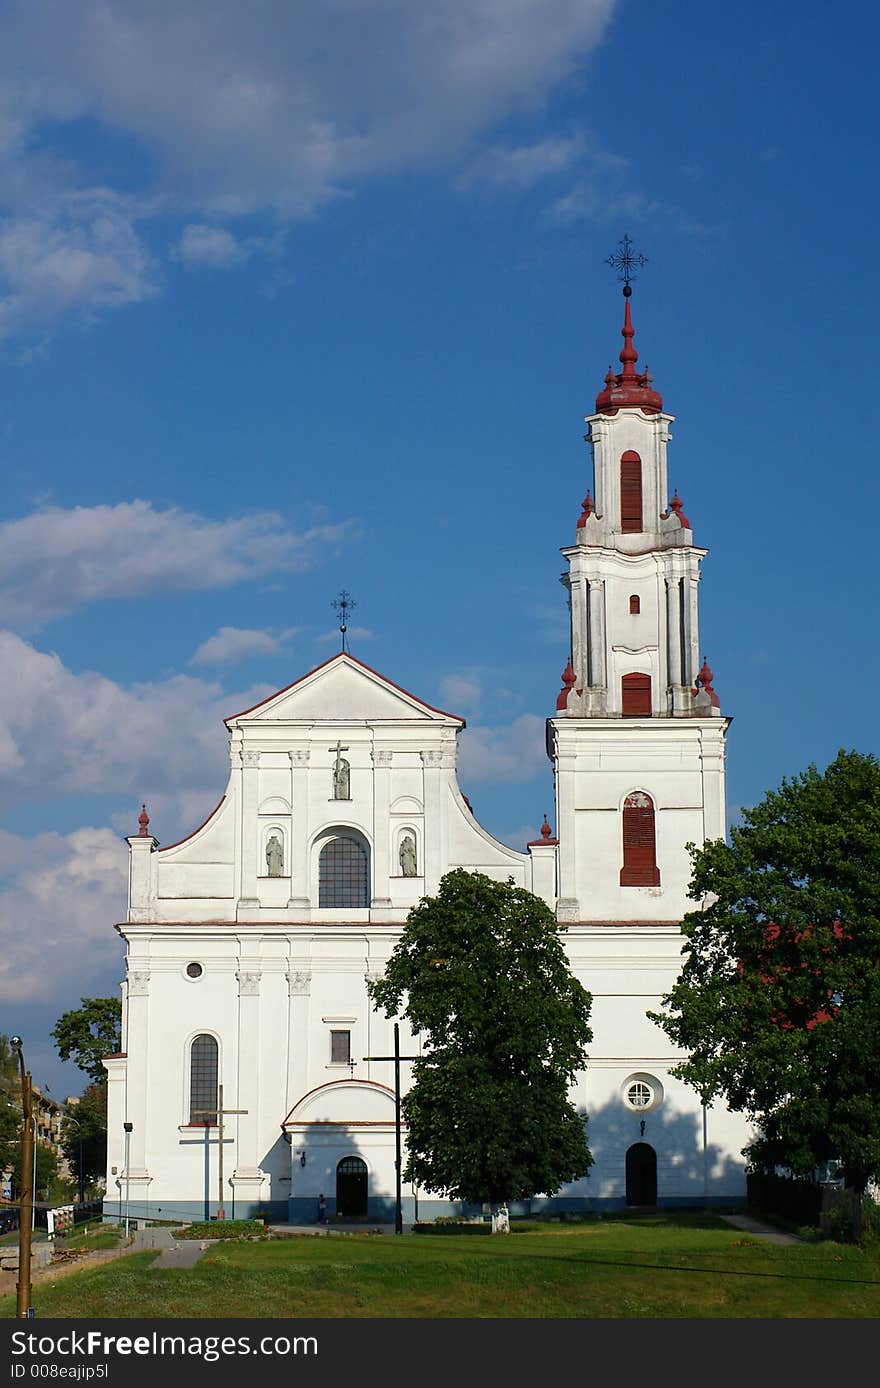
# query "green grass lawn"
(668, 1266)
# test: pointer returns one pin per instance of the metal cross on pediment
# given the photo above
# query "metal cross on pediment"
(217, 1113)
(343, 605)
(625, 260)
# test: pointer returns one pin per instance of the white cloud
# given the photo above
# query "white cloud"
(592, 200)
(55, 560)
(66, 733)
(59, 897)
(521, 837)
(515, 752)
(209, 248)
(461, 692)
(226, 110)
(231, 644)
(70, 257)
(353, 634)
(516, 168)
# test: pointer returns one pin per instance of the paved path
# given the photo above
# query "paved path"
(184, 1253)
(760, 1231)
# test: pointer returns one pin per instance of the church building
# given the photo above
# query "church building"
(245, 1082)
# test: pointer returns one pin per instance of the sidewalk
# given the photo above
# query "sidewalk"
(760, 1231)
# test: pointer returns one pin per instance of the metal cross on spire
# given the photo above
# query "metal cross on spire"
(342, 606)
(624, 261)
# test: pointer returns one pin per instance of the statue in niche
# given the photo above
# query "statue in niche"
(275, 856)
(407, 856)
(341, 774)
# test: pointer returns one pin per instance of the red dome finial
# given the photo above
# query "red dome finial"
(568, 679)
(628, 389)
(704, 681)
(676, 505)
(144, 822)
(587, 511)
(546, 831)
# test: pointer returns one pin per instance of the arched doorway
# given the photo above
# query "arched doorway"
(351, 1187)
(641, 1175)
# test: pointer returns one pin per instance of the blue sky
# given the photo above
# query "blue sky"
(297, 298)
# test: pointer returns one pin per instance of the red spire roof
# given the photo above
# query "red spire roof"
(144, 822)
(629, 389)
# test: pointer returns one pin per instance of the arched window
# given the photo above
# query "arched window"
(630, 493)
(635, 605)
(343, 877)
(203, 1077)
(636, 696)
(639, 842)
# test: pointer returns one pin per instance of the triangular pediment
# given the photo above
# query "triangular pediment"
(344, 690)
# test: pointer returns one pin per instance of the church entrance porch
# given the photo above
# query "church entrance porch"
(641, 1174)
(351, 1188)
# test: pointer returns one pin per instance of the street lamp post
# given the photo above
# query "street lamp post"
(75, 1123)
(26, 1200)
(128, 1130)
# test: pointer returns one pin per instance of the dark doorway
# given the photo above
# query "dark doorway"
(641, 1175)
(351, 1187)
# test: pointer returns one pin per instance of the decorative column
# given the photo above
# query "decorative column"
(247, 1177)
(598, 682)
(432, 775)
(673, 632)
(567, 905)
(712, 757)
(298, 1005)
(580, 647)
(300, 829)
(692, 627)
(382, 846)
(248, 900)
(137, 1111)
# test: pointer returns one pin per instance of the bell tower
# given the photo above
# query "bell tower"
(638, 737)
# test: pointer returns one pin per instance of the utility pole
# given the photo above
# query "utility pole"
(397, 1058)
(23, 1309)
(207, 1114)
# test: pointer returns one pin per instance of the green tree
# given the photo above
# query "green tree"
(46, 1165)
(84, 1132)
(10, 1103)
(778, 1000)
(89, 1032)
(487, 982)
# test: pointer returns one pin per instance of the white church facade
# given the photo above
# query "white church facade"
(250, 942)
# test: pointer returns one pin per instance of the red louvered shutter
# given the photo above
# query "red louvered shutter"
(639, 843)
(630, 494)
(636, 696)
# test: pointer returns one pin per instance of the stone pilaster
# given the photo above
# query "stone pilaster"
(299, 839)
(382, 846)
(248, 901)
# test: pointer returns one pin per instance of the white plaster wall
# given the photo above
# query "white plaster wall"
(679, 763)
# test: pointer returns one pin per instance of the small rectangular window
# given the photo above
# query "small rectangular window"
(340, 1047)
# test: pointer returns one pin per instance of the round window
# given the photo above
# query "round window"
(641, 1093)
(194, 970)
